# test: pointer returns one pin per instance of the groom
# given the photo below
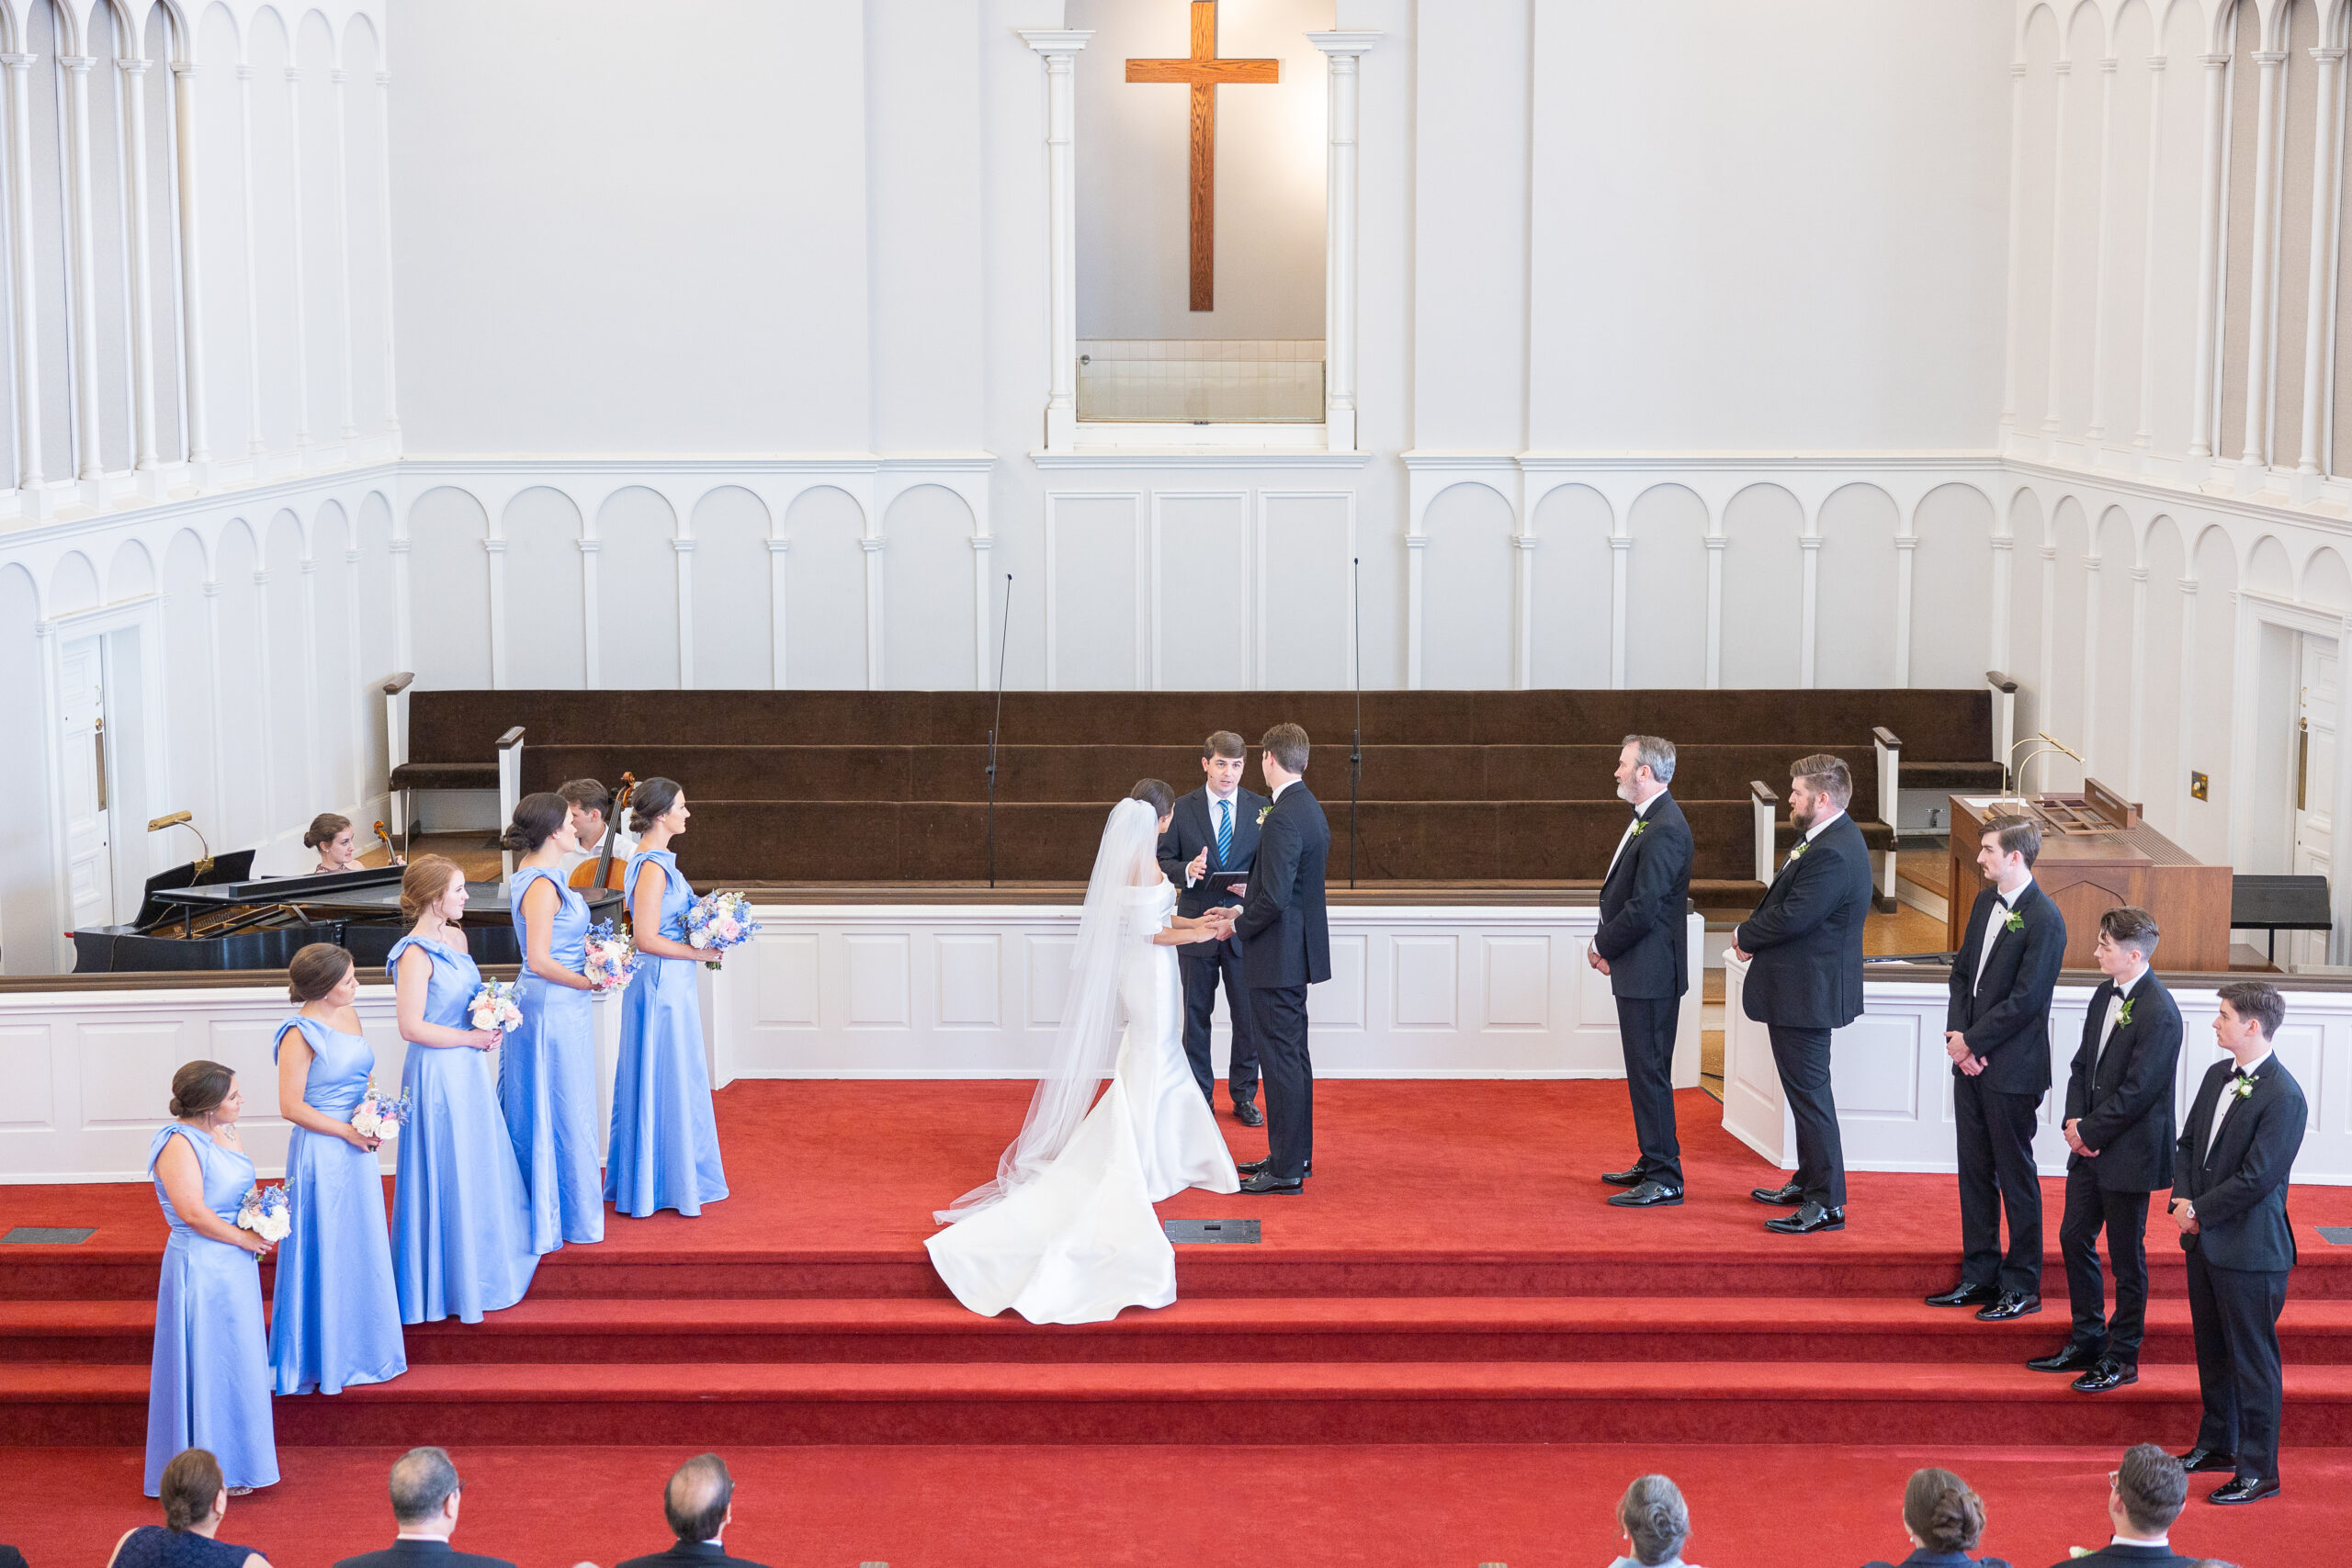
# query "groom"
(1285, 946)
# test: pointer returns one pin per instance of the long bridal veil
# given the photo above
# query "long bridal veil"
(1086, 1044)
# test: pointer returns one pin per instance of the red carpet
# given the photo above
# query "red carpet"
(1450, 1295)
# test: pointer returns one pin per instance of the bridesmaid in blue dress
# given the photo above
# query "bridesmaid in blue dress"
(461, 1224)
(546, 1071)
(336, 1320)
(209, 1384)
(665, 1140)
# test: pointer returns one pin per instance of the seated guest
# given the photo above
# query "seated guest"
(591, 807)
(426, 1491)
(2144, 1494)
(1944, 1518)
(700, 1504)
(1655, 1521)
(196, 1499)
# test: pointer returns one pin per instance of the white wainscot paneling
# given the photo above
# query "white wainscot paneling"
(1892, 1080)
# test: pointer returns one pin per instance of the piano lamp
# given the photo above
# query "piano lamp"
(181, 820)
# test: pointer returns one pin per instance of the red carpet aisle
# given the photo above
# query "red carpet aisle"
(1451, 1279)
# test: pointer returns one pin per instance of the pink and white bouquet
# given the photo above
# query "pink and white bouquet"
(612, 958)
(716, 921)
(264, 1213)
(493, 1007)
(378, 1116)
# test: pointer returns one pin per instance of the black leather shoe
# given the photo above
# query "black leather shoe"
(1792, 1194)
(1263, 1184)
(2109, 1374)
(1245, 1111)
(2200, 1459)
(2012, 1304)
(1810, 1217)
(1251, 1167)
(2245, 1489)
(1633, 1177)
(1648, 1195)
(1967, 1295)
(2072, 1359)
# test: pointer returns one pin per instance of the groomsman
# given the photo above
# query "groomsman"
(1803, 950)
(1642, 948)
(1285, 936)
(2120, 1136)
(1997, 1030)
(1214, 828)
(2229, 1197)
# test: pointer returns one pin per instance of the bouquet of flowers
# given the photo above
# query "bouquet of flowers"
(377, 1116)
(612, 958)
(493, 1007)
(264, 1213)
(716, 921)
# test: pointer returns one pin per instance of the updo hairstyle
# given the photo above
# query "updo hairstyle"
(649, 799)
(323, 830)
(1162, 798)
(197, 1088)
(190, 1485)
(1652, 1514)
(1942, 1512)
(537, 819)
(426, 884)
(318, 969)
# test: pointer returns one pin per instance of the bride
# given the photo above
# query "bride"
(1066, 1233)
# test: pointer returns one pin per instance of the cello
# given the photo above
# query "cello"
(602, 872)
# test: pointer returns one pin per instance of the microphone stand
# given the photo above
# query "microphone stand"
(1002, 634)
(1356, 749)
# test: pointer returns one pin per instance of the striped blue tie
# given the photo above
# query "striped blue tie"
(1224, 832)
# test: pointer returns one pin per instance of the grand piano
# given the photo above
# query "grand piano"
(226, 918)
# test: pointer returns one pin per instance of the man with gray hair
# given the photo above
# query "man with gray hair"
(700, 1504)
(1641, 947)
(425, 1492)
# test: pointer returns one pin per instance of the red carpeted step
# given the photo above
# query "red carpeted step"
(1674, 1402)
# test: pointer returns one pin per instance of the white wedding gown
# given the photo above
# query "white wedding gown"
(1079, 1240)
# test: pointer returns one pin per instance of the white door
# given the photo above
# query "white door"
(2315, 786)
(89, 860)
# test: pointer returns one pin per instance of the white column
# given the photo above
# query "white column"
(2057, 250)
(1414, 546)
(1996, 648)
(356, 710)
(2142, 430)
(90, 458)
(778, 550)
(592, 650)
(2014, 315)
(2261, 336)
(2089, 746)
(343, 242)
(1059, 48)
(685, 549)
(312, 740)
(403, 636)
(872, 544)
(1714, 543)
(301, 286)
(1906, 547)
(1523, 573)
(2097, 430)
(1809, 623)
(2208, 260)
(2139, 717)
(20, 225)
(2048, 639)
(267, 749)
(256, 443)
(143, 270)
(2186, 697)
(1618, 545)
(495, 549)
(215, 675)
(1345, 51)
(982, 621)
(2326, 181)
(2339, 937)
(199, 437)
(384, 234)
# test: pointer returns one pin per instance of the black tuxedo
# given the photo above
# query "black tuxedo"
(1285, 943)
(2241, 1253)
(2120, 1094)
(1804, 978)
(1642, 934)
(422, 1554)
(685, 1554)
(2114, 1556)
(1191, 828)
(2005, 1016)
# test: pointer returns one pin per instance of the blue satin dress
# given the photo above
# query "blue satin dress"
(336, 1320)
(665, 1140)
(209, 1384)
(547, 1080)
(461, 1222)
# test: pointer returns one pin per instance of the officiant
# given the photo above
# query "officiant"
(1211, 841)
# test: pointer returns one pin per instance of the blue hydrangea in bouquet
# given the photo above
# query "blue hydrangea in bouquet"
(612, 958)
(716, 921)
(379, 1115)
(264, 1213)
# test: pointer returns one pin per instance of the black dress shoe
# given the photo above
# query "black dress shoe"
(1263, 1184)
(1792, 1194)
(1967, 1295)
(2245, 1489)
(2012, 1304)
(2109, 1374)
(2072, 1359)
(1251, 1167)
(2204, 1459)
(1648, 1195)
(1633, 1177)
(1810, 1217)
(1245, 1111)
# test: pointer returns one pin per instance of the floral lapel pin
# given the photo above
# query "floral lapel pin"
(1640, 825)
(1262, 814)
(2242, 1085)
(2123, 1015)
(2016, 922)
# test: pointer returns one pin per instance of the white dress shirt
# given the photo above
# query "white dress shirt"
(2229, 1097)
(1231, 803)
(1811, 833)
(2115, 1005)
(2006, 906)
(1278, 791)
(624, 846)
(1641, 813)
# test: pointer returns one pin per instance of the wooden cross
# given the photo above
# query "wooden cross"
(1204, 73)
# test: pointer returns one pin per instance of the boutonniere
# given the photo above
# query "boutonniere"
(1262, 814)
(2242, 1085)
(2016, 922)
(2123, 1015)
(1803, 845)
(1640, 825)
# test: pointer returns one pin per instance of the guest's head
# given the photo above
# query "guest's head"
(206, 1092)
(2146, 1493)
(1223, 756)
(1158, 795)
(540, 820)
(324, 972)
(1655, 1518)
(1941, 1513)
(2249, 1018)
(433, 883)
(332, 835)
(700, 1498)
(1819, 787)
(1282, 754)
(1645, 766)
(426, 1491)
(2006, 848)
(589, 804)
(656, 803)
(2127, 939)
(193, 1493)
